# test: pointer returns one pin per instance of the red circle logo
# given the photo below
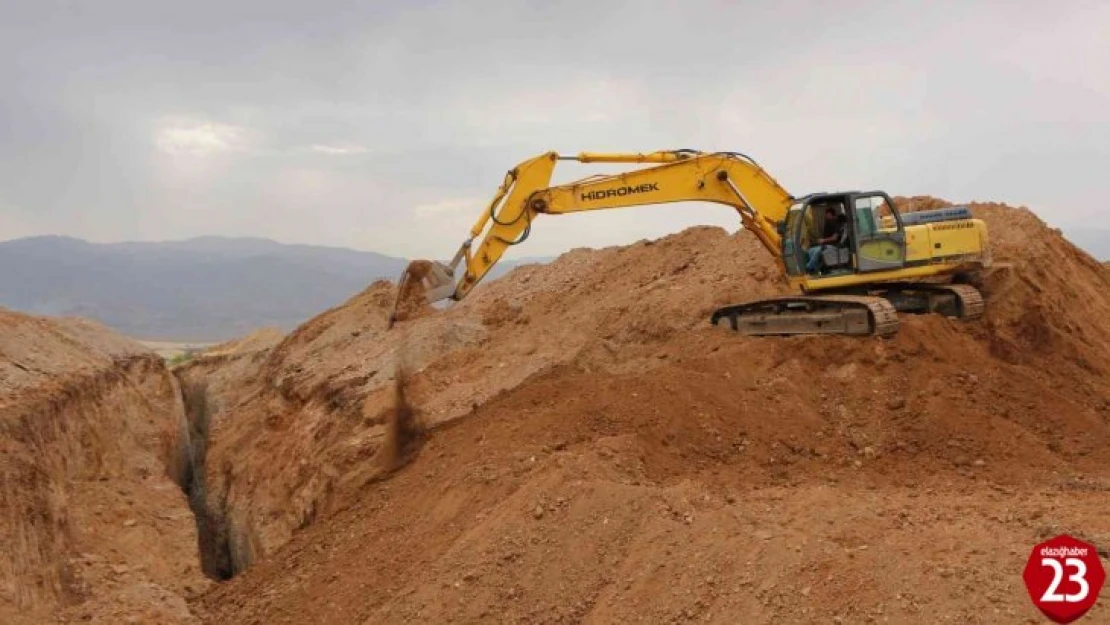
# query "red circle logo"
(1064, 576)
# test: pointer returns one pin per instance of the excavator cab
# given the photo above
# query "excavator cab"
(872, 239)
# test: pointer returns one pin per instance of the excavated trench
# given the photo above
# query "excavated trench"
(221, 556)
(225, 544)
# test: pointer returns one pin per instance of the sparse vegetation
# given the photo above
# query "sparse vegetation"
(182, 357)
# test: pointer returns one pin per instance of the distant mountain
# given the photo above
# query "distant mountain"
(203, 289)
(1094, 242)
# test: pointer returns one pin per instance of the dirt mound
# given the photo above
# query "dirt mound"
(93, 526)
(709, 489)
(621, 458)
(35, 349)
(1049, 301)
(259, 340)
(915, 203)
(315, 409)
(1047, 298)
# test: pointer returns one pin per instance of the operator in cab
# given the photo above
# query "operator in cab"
(830, 235)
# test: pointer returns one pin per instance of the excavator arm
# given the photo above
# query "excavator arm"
(672, 176)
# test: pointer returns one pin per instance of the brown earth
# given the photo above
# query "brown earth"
(572, 443)
(621, 460)
(259, 340)
(93, 527)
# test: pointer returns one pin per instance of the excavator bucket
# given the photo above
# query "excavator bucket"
(423, 282)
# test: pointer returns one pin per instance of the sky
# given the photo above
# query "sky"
(387, 126)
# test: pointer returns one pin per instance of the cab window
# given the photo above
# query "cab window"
(874, 213)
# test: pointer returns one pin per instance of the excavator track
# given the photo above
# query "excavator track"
(818, 314)
(961, 301)
(968, 298)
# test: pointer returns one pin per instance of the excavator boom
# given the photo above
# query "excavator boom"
(678, 176)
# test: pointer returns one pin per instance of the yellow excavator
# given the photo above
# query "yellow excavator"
(877, 261)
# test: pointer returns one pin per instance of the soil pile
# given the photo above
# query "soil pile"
(93, 526)
(621, 459)
(1048, 299)
(259, 340)
(297, 436)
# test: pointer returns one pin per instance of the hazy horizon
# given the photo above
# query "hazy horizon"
(386, 127)
(1095, 242)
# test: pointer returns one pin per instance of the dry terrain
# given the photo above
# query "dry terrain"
(575, 443)
(93, 526)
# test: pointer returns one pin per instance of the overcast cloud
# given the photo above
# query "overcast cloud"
(388, 125)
